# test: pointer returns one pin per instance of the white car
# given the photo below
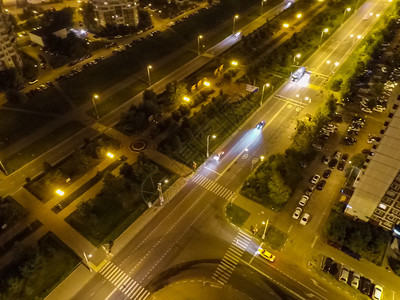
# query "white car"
(366, 109)
(297, 213)
(355, 281)
(377, 293)
(304, 199)
(315, 179)
(371, 140)
(379, 108)
(305, 218)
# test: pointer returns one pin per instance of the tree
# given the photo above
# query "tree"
(89, 16)
(336, 84)
(279, 192)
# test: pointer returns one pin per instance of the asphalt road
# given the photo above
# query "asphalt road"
(192, 228)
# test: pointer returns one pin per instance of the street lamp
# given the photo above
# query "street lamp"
(198, 44)
(148, 74)
(262, 157)
(299, 16)
(208, 143)
(265, 228)
(262, 4)
(326, 30)
(344, 14)
(206, 83)
(110, 155)
(234, 63)
(4, 168)
(234, 22)
(94, 98)
(186, 98)
(286, 25)
(262, 94)
(298, 55)
(60, 192)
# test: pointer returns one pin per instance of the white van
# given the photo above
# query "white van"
(344, 275)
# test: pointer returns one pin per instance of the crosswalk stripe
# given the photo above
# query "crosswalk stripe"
(209, 185)
(228, 265)
(105, 267)
(231, 256)
(122, 278)
(202, 181)
(229, 262)
(245, 236)
(222, 192)
(145, 296)
(122, 285)
(242, 244)
(111, 274)
(141, 293)
(132, 286)
(109, 270)
(138, 290)
(235, 250)
(218, 189)
(117, 278)
(224, 276)
(196, 177)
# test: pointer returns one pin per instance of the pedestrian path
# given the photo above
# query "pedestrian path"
(214, 187)
(231, 258)
(123, 282)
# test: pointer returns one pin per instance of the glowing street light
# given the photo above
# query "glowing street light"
(60, 192)
(262, 4)
(285, 25)
(110, 155)
(198, 44)
(234, 63)
(326, 30)
(206, 83)
(148, 74)
(336, 64)
(262, 157)
(328, 62)
(186, 98)
(234, 22)
(344, 14)
(208, 143)
(262, 94)
(299, 16)
(94, 98)
(265, 228)
(298, 55)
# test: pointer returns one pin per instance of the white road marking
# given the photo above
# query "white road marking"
(211, 170)
(314, 241)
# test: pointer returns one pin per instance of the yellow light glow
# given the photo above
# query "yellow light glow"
(95, 96)
(286, 25)
(206, 83)
(326, 30)
(299, 16)
(187, 99)
(60, 192)
(298, 55)
(236, 16)
(110, 155)
(234, 63)
(200, 36)
(262, 157)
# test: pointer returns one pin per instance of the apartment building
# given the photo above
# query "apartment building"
(116, 12)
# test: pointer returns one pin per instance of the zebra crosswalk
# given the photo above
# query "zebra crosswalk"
(231, 258)
(214, 187)
(123, 282)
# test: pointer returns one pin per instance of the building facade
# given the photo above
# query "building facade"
(9, 55)
(377, 190)
(116, 12)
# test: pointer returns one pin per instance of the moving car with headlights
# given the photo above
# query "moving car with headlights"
(265, 254)
(260, 125)
(296, 76)
(219, 156)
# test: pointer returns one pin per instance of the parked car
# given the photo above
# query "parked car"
(325, 159)
(365, 286)
(326, 174)
(344, 275)
(355, 280)
(337, 155)
(327, 265)
(304, 220)
(345, 156)
(297, 213)
(309, 190)
(332, 164)
(321, 185)
(304, 199)
(367, 110)
(341, 166)
(315, 179)
(377, 292)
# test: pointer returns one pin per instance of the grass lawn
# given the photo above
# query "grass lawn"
(115, 207)
(42, 145)
(15, 124)
(10, 212)
(274, 237)
(236, 215)
(37, 272)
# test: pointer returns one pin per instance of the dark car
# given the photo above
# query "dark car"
(349, 141)
(334, 269)
(321, 185)
(345, 157)
(326, 174)
(327, 264)
(260, 125)
(365, 286)
(333, 162)
(341, 166)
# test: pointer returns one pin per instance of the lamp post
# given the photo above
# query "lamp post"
(265, 228)
(198, 44)
(148, 74)
(326, 30)
(298, 55)
(160, 193)
(87, 260)
(208, 143)
(262, 4)
(94, 98)
(4, 168)
(344, 14)
(234, 23)
(262, 94)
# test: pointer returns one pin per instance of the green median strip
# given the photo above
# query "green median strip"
(42, 145)
(236, 215)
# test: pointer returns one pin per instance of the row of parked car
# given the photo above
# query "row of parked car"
(352, 278)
